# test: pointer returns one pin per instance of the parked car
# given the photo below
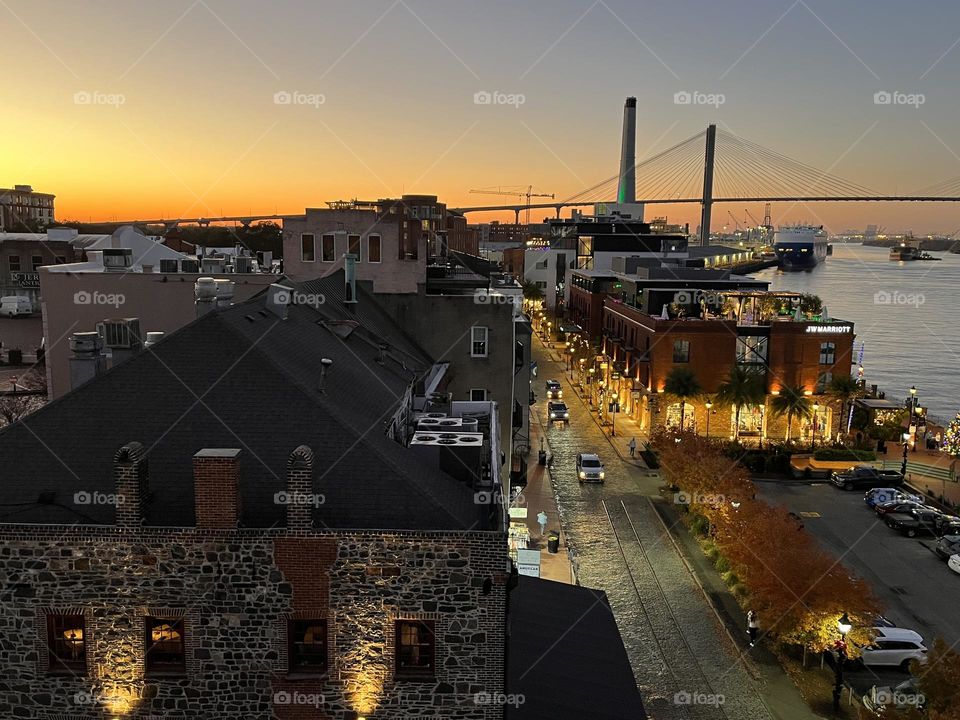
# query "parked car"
(589, 468)
(887, 700)
(947, 546)
(866, 476)
(902, 506)
(954, 563)
(879, 496)
(948, 525)
(15, 306)
(894, 647)
(554, 391)
(918, 521)
(558, 412)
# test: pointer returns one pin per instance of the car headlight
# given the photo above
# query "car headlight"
(566, 414)
(553, 415)
(582, 474)
(601, 474)
(559, 393)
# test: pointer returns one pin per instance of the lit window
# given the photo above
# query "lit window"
(416, 649)
(478, 341)
(308, 251)
(164, 648)
(828, 353)
(328, 248)
(307, 646)
(373, 248)
(66, 635)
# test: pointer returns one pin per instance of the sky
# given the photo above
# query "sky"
(130, 109)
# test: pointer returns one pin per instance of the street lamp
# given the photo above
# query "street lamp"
(903, 464)
(816, 407)
(844, 626)
(708, 405)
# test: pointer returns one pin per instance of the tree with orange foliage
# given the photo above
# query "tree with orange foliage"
(939, 682)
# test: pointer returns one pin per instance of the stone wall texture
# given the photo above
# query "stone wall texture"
(236, 590)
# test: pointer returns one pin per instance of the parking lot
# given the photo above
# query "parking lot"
(916, 588)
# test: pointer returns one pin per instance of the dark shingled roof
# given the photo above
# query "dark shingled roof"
(566, 657)
(243, 378)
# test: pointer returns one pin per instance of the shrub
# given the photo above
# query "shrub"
(730, 578)
(700, 525)
(739, 590)
(827, 454)
(713, 554)
(722, 564)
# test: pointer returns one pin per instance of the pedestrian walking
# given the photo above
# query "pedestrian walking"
(542, 520)
(633, 446)
(752, 627)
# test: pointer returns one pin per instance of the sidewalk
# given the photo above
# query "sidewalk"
(626, 427)
(539, 495)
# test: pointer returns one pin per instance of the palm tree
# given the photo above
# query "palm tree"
(793, 403)
(682, 384)
(742, 387)
(845, 388)
(532, 291)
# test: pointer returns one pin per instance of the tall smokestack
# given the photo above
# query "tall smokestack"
(627, 189)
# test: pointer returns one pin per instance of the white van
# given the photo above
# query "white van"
(15, 306)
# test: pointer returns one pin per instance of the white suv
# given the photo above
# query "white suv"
(589, 468)
(894, 647)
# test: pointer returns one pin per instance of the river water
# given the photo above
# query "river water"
(906, 316)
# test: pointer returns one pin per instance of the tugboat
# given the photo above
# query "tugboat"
(906, 250)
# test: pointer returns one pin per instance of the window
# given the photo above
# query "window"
(752, 350)
(307, 651)
(164, 649)
(478, 395)
(542, 284)
(416, 649)
(373, 248)
(66, 635)
(36, 261)
(14, 261)
(828, 353)
(353, 245)
(478, 341)
(681, 351)
(328, 248)
(308, 250)
(823, 381)
(542, 265)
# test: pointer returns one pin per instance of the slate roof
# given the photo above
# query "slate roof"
(242, 378)
(566, 657)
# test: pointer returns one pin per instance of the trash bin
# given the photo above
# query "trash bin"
(542, 457)
(553, 542)
(15, 357)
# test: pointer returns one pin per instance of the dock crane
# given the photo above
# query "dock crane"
(514, 193)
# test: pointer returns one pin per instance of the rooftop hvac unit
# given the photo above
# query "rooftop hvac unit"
(448, 439)
(190, 266)
(243, 264)
(212, 265)
(117, 259)
(448, 424)
(168, 265)
(124, 334)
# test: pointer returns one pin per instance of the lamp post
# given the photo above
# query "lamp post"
(913, 422)
(816, 407)
(844, 626)
(903, 464)
(708, 405)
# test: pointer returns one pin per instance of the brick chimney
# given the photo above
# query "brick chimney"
(130, 480)
(300, 489)
(216, 487)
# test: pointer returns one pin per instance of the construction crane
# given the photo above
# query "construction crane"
(514, 193)
(735, 223)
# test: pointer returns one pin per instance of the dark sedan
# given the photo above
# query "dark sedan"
(904, 506)
(919, 521)
(948, 545)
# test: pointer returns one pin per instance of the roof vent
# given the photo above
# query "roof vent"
(205, 292)
(325, 365)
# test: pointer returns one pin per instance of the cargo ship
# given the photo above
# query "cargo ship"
(800, 247)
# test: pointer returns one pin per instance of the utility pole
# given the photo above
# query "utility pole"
(708, 157)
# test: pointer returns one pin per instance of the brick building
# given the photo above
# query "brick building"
(22, 208)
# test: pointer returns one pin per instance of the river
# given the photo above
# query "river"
(903, 314)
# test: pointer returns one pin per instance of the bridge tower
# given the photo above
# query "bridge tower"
(627, 187)
(707, 206)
